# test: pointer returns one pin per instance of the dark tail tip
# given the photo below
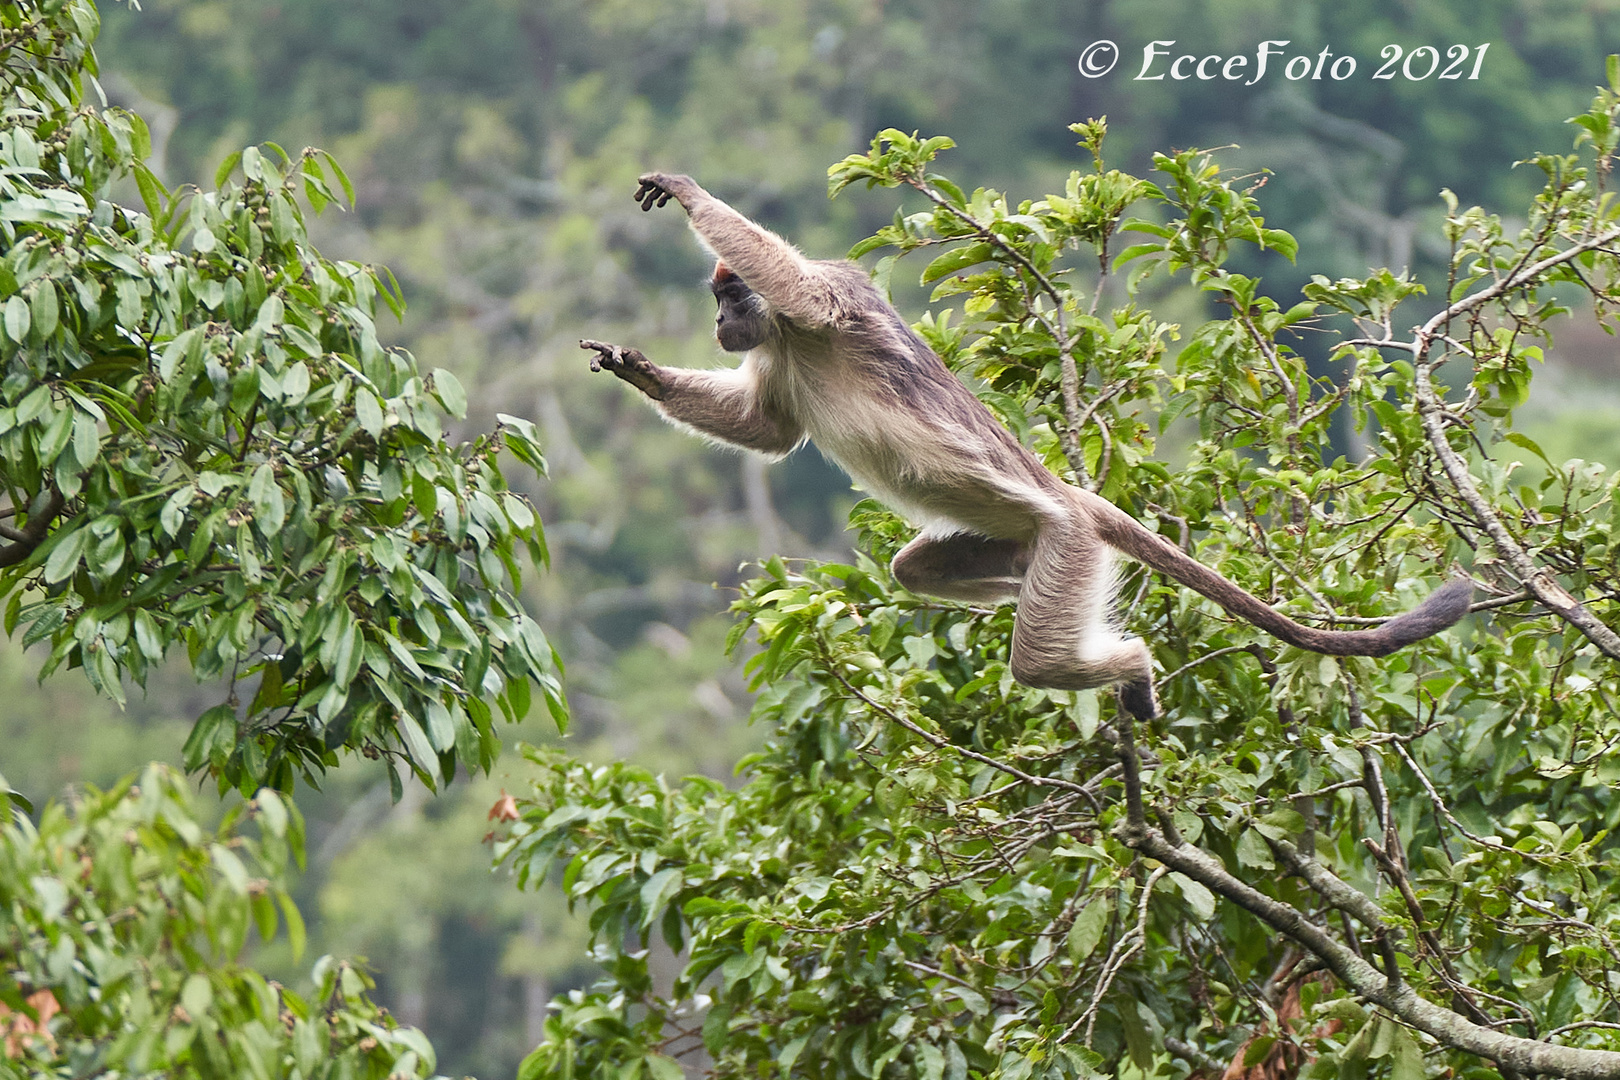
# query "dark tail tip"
(1444, 607)
(1451, 600)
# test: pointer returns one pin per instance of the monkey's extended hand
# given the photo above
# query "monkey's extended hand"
(656, 189)
(628, 364)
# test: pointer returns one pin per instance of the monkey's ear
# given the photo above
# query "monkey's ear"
(722, 273)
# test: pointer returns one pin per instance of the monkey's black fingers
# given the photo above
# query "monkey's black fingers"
(650, 193)
(605, 353)
(656, 189)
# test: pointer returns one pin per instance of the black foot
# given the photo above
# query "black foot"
(1139, 700)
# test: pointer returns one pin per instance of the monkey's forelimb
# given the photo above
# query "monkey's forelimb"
(1442, 608)
(724, 405)
(804, 290)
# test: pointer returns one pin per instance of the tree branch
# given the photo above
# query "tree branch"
(1362, 979)
(1434, 415)
(31, 535)
(1535, 578)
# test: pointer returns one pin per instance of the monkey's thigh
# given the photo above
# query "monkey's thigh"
(961, 567)
(1064, 637)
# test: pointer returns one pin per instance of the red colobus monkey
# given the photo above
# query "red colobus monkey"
(829, 360)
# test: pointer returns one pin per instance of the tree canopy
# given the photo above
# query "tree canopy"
(122, 926)
(204, 446)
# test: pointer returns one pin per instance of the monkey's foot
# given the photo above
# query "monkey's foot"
(1139, 699)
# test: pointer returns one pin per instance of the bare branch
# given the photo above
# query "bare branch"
(1127, 946)
(1188, 1052)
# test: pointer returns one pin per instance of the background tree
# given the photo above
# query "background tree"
(122, 923)
(204, 444)
(1397, 867)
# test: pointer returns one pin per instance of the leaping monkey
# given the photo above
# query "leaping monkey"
(829, 360)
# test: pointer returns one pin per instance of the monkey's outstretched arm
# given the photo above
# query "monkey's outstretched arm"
(723, 405)
(792, 284)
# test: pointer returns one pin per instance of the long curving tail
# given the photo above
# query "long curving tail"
(1443, 607)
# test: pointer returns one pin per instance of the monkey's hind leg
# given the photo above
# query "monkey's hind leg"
(962, 566)
(1064, 637)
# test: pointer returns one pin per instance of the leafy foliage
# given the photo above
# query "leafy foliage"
(204, 446)
(932, 871)
(122, 921)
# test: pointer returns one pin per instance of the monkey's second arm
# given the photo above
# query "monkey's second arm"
(723, 405)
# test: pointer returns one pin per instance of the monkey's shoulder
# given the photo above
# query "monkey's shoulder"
(845, 293)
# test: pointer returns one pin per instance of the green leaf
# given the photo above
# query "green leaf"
(172, 516)
(368, 411)
(264, 915)
(417, 745)
(441, 730)
(1088, 927)
(658, 891)
(296, 934)
(959, 258)
(1199, 898)
(1406, 1058)
(1137, 251)
(1253, 852)
(1138, 1039)
(211, 726)
(269, 509)
(1518, 438)
(660, 1067)
(1280, 241)
(43, 310)
(226, 167)
(342, 177)
(153, 193)
(1257, 1050)
(536, 1064)
(450, 394)
(16, 798)
(16, 319)
(65, 555)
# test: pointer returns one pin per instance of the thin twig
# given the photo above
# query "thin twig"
(943, 743)
(1127, 946)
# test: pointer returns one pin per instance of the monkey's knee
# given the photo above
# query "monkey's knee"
(1035, 667)
(910, 572)
(962, 567)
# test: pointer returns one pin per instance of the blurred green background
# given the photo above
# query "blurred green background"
(494, 145)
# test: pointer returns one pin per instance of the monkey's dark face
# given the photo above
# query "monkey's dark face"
(741, 322)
